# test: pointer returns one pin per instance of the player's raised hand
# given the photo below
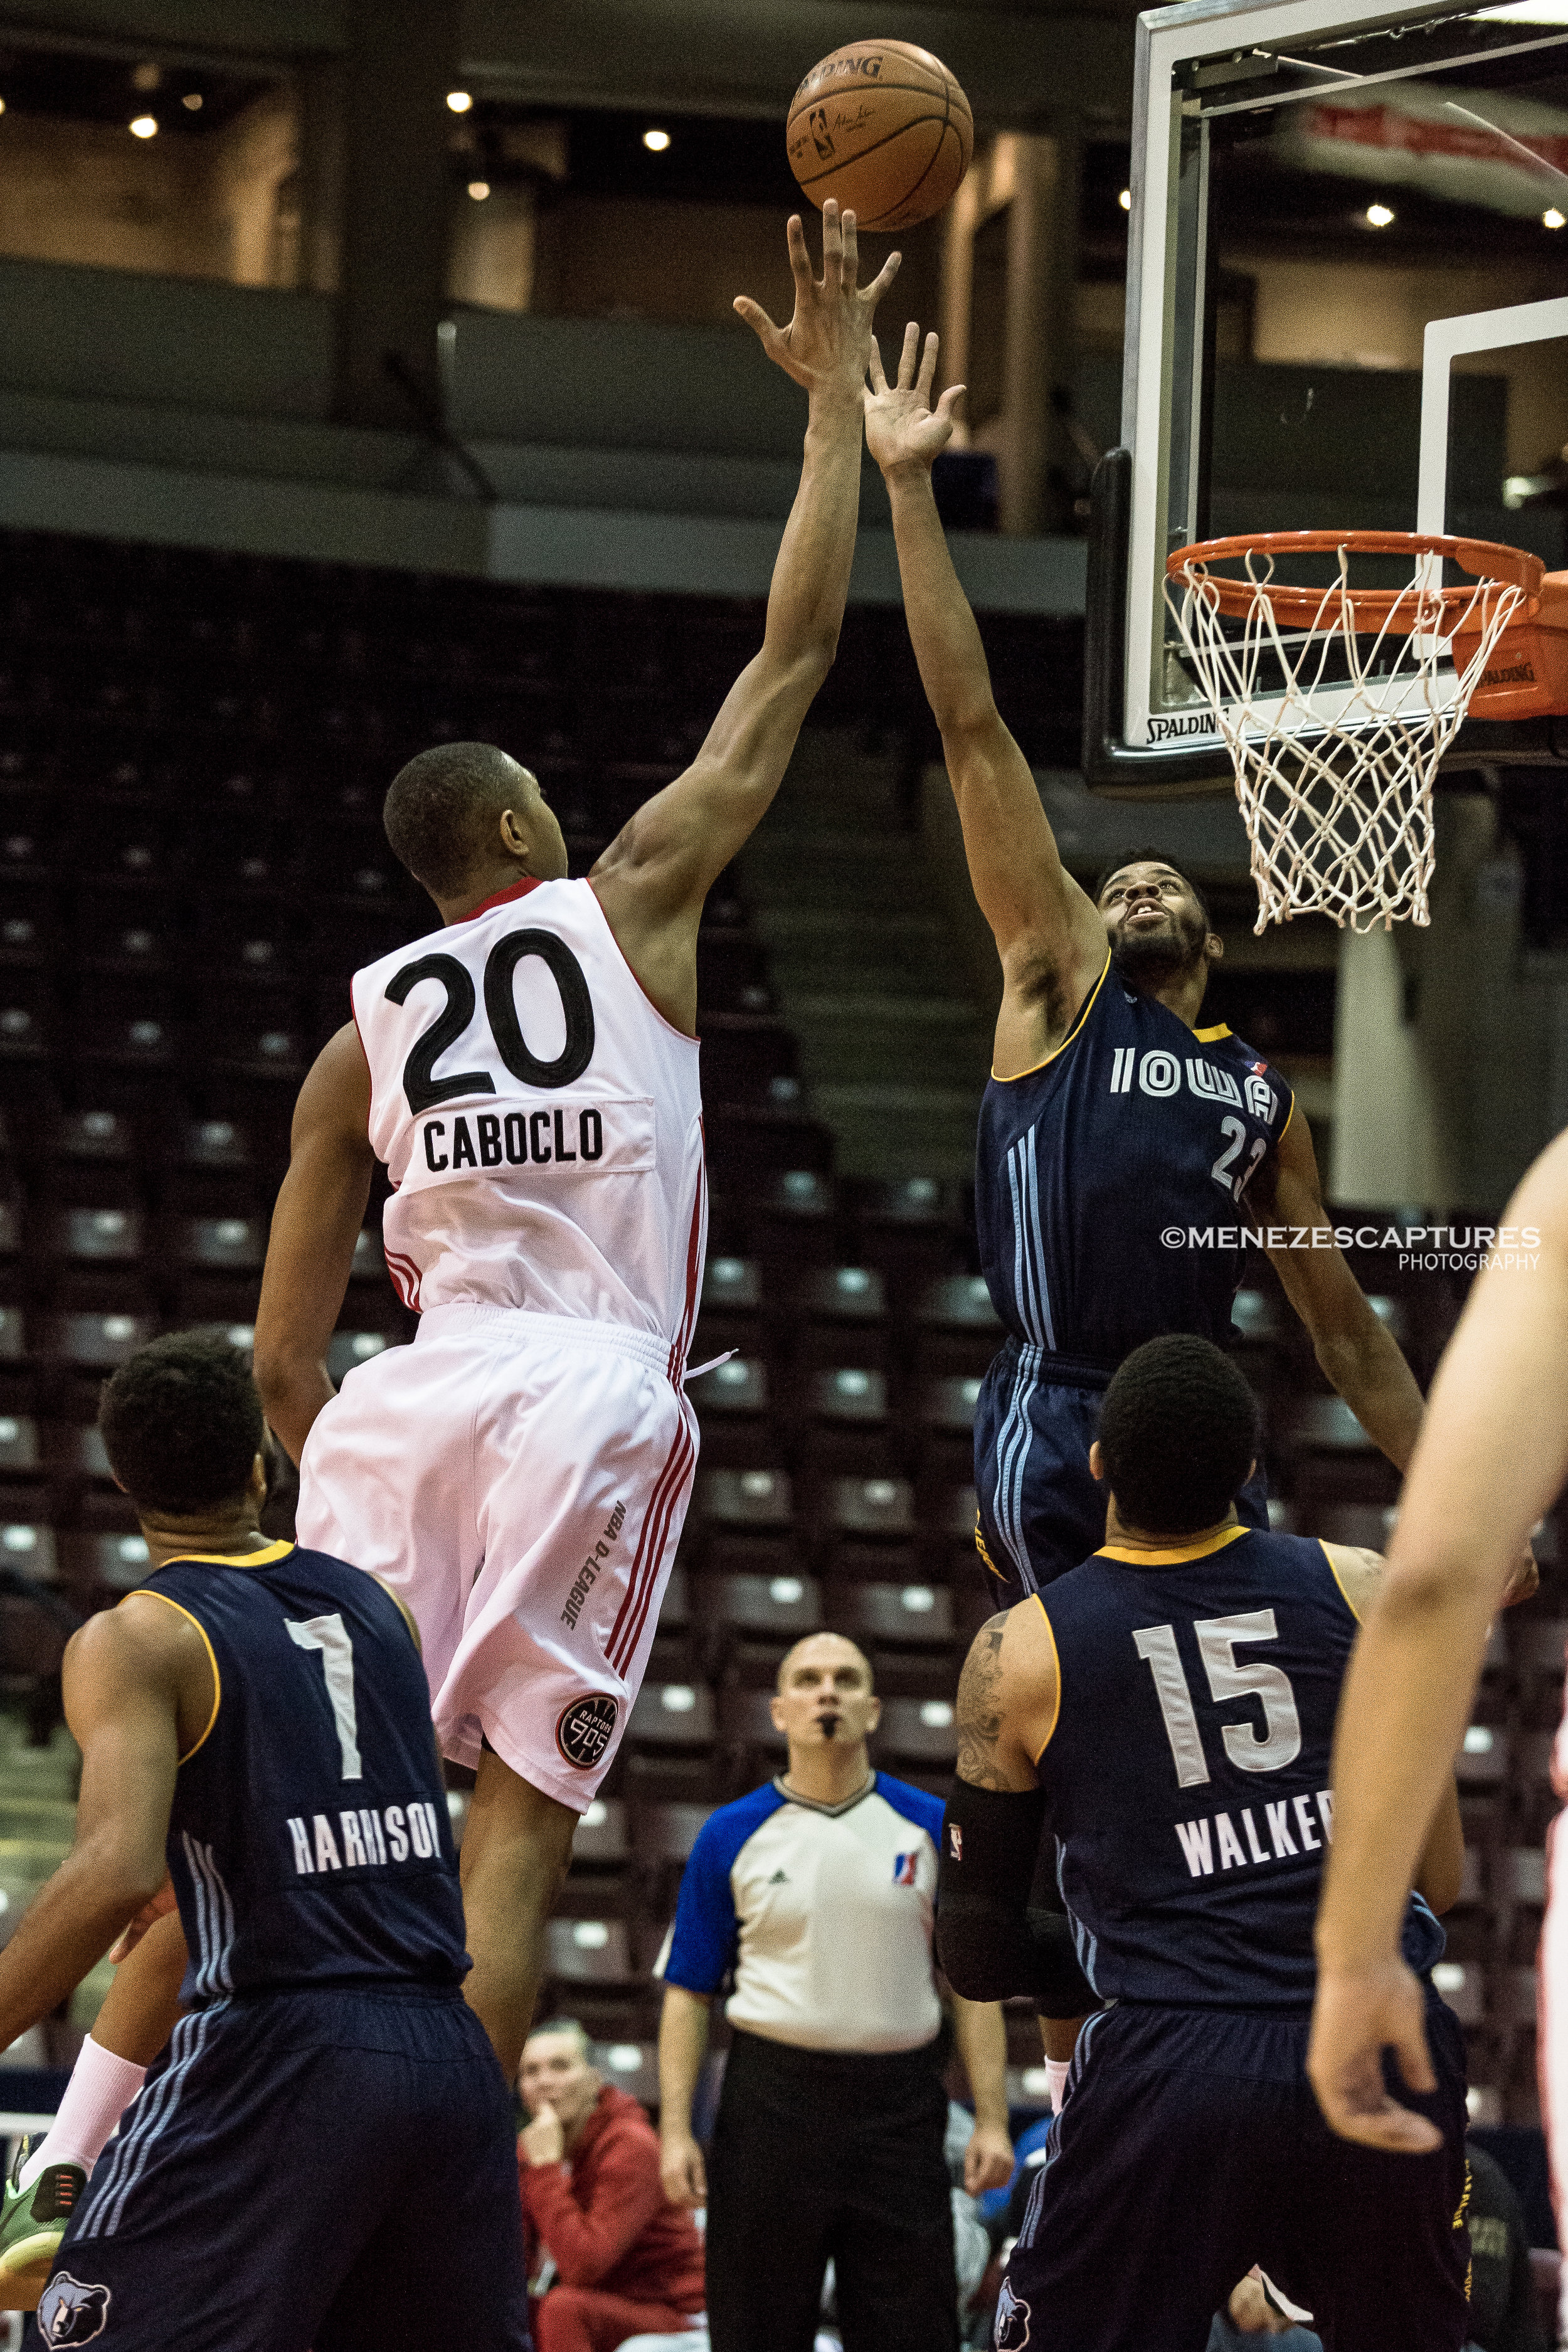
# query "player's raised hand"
(828, 340)
(1359, 2014)
(902, 429)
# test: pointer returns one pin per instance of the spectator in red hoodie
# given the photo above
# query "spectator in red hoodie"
(626, 2262)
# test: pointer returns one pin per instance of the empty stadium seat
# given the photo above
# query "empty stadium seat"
(29, 1548)
(784, 1607)
(601, 1834)
(666, 1833)
(919, 1731)
(752, 1499)
(589, 1951)
(94, 1342)
(672, 1715)
(918, 1616)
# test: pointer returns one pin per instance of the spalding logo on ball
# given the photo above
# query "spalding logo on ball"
(883, 128)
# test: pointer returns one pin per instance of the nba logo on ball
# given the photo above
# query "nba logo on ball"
(70, 2313)
(583, 1732)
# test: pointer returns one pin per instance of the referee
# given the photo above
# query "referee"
(814, 1897)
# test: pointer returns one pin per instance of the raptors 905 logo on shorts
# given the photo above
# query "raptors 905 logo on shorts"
(585, 1729)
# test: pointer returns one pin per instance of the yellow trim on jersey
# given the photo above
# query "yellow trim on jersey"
(1338, 1579)
(1211, 1036)
(262, 1559)
(1288, 1117)
(1066, 1041)
(149, 1594)
(1178, 1552)
(980, 1547)
(1057, 1656)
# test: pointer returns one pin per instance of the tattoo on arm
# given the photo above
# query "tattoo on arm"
(980, 1715)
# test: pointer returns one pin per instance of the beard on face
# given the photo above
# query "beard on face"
(1152, 953)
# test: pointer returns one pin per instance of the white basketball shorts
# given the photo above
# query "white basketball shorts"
(520, 1482)
(1552, 2005)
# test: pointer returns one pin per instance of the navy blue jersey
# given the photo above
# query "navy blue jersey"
(1187, 1773)
(1136, 1126)
(309, 1842)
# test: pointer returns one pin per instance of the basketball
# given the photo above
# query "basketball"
(883, 128)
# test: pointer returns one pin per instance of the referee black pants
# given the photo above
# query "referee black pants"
(825, 2155)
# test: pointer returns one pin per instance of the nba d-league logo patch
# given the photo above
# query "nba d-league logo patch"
(70, 2313)
(1012, 2321)
(583, 1732)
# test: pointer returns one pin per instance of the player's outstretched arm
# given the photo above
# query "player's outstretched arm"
(123, 1683)
(1491, 1457)
(980, 2031)
(656, 874)
(1048, 935)
(1355, 1352)
(316, 1222)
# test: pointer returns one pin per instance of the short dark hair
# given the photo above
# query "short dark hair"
(440, 811)
(181, 1423)
(1147, 856)
(1178, 1429)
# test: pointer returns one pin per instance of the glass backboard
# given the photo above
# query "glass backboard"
(1341, 180)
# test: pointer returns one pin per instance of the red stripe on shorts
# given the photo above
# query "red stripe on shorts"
(682, 1342)
(650, 1550)
(651, 1577)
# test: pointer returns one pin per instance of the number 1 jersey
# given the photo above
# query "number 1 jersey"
(309, 1843)
(542, 1123)
(1186, 1775)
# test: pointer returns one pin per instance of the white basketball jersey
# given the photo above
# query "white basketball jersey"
(541, 1122)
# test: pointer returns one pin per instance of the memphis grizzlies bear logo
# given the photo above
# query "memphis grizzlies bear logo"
(1012, 2321)
(70, 2313)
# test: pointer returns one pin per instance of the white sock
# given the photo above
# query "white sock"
(1056, 2081)
(101, 2089)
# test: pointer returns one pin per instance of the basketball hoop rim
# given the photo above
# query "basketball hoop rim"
(1490, 561)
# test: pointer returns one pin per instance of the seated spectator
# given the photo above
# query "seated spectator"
(620, 2261)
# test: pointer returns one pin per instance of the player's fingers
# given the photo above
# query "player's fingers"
(879, 381)
(851, 254)
(756, 318)
(1415, 2059)
(907, 356)
(799, 254)
(882, 280)
(832, 245)
(927, 375)
(947, 407)
(1398, 2131)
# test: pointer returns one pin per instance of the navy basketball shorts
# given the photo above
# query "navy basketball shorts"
(1040, 1510)
(1189, 2148)
(306, 2172)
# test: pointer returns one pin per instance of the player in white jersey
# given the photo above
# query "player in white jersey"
(529, 1074)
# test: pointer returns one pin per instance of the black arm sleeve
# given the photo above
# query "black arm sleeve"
(995, 1942)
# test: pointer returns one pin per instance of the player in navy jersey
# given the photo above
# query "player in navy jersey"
(1165, 1713)
(253, 1720)
(1113, 1119)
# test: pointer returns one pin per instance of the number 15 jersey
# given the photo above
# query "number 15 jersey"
(540, 1121)
(1186, 1775)
(309, 1843)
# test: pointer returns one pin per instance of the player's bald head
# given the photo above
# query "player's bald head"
(828, 1655)
(442, 811)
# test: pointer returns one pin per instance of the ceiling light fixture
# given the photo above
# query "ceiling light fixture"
(192, 101)
(656, 140)
(1378, 216)
(459, 101)
(479, 190)
(1552, 219)
(1125, 200)
(145, 127)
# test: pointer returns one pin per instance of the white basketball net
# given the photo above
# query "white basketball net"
(1339, 813)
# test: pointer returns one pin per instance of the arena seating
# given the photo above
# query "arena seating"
(193, 750)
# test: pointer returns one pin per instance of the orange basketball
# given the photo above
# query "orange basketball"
(884, 128)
